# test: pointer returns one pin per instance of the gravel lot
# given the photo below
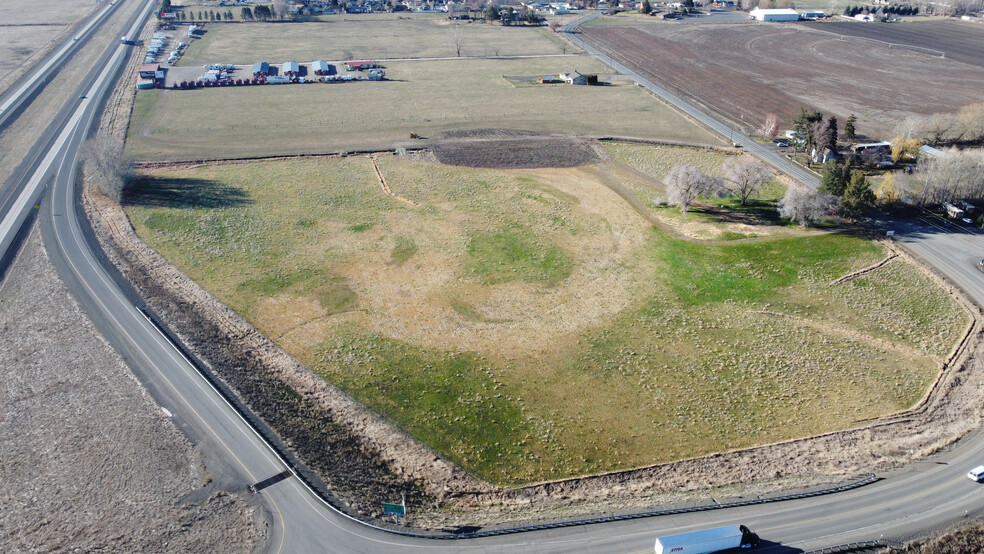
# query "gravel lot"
(89, 461)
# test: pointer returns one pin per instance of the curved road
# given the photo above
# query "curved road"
(920, 498)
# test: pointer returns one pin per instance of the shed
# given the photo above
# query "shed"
(149, 70)
(813, 14)
(322, 68)
(930, 151)
(261, 68)
(145, 84)
(290, 68)
(779, 14)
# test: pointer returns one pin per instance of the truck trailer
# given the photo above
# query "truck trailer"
(707, 540)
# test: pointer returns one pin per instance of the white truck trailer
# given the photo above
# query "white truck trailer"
(707, 541)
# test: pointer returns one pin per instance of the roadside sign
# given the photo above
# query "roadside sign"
(394, 509)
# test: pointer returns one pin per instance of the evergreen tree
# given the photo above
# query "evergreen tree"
(834, 178)
(858, 197)
(246, 14)
(646, 7)
(849, 129)
(492, 13)
(829, 138)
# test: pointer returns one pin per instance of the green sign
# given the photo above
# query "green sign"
(394, 509)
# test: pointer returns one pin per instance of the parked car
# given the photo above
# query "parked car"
(781, 143)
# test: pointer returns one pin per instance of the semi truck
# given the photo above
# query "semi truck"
(730, 537)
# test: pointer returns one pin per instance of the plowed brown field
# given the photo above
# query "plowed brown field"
(743, 72)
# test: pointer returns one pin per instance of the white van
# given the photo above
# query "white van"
(976, 474)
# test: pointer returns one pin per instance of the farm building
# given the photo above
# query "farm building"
(359, 66)
(928, 150)
(261, 69)
(779, 14)
(145, 84)
(547, 79)
(813, 14)
(574, 78)
(290, 69)
(322, 68)
(881, 147)
(149, 70)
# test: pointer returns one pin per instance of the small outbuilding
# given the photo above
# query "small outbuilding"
(322, 68)
(776, 14)
(261, 69)
(291, 69)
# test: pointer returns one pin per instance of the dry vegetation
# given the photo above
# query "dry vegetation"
(375, 36)
(826, 71)
(29, 32)
(318, 118)
(529, 324)
(90, 462)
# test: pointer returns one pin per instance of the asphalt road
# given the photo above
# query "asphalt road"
(921, 497)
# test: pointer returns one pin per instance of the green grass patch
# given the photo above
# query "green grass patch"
(513, 254)
(449, 400)
(403, 250)
(701, 274)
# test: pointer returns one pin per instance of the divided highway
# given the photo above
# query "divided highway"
(920, 498)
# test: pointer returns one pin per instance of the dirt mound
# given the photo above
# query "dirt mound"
(516, 152)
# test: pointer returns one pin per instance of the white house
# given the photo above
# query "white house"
(780, 14)
(574, 78)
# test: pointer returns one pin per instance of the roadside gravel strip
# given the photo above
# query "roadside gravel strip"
(89, 461)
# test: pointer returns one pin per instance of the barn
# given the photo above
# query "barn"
(783, 14)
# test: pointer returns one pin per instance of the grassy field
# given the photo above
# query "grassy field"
(528, 324)
(375, 36)
(424, 97)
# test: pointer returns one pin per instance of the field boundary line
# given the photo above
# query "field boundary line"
(890, 45)
(891, 256)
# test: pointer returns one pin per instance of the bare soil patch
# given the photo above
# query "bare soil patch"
(960, 40)
(516, 153)
(785, 67)
(90, 462)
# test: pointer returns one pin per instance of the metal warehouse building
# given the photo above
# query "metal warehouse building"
(784, 14)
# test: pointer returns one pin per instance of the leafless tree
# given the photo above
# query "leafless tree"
(908, 127)
(684, 183)
(281, 8)
(955, 174)
(743, 176)
(454, 37)
(106, 164)
(970, 120)
(770, 127)
(806, 206)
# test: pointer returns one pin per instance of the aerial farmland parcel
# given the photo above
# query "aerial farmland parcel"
(425, 96)
(743, 72)
(529, 324)
(525, 322)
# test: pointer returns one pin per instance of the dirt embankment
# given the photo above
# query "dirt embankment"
(89, 462)
(381, 452)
